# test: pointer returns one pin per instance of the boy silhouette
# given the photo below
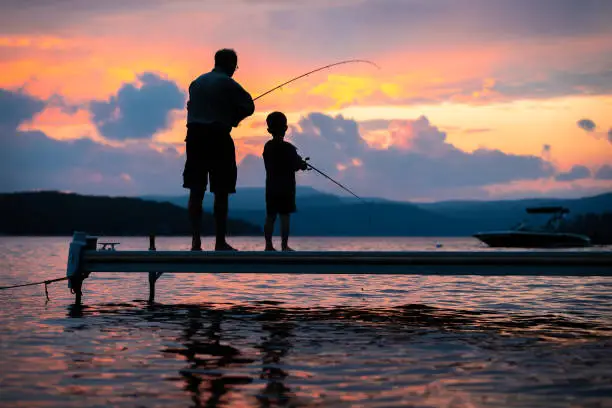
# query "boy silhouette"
(282, 162)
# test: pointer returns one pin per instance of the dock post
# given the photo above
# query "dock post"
(153, 276)
(80, 242)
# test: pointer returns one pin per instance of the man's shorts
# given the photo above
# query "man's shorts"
(280, 204)
(211, 156)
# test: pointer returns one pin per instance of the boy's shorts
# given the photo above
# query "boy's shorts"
(280, 204)
(211, 155)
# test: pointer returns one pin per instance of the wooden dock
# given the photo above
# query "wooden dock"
(85, 258)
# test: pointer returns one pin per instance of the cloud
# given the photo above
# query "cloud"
(577, 172)
(408, 22)
(138, 112)
(31, 160)
(587, 124)
(418, 163)
(604, 173)
(36, 161)
(555, 84)
(477, 130)
(17, 107)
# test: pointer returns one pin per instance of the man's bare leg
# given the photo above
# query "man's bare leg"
(196, 198)
(284, 219)
(221, 208)
(269, 231)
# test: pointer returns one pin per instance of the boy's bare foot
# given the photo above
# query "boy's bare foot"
(224, 246)
(270, 248)
(288, 249)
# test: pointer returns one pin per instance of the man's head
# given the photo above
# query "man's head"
(226, 60)
(277, 124)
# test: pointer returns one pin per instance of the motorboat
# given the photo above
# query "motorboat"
(525, 235)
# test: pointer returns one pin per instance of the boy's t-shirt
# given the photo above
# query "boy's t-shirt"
(282, 161)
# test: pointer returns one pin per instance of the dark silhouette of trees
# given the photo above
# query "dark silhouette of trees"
(55, 213)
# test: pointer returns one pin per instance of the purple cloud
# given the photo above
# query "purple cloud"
(31, 160)
(138, 112)
(17, 107)
(587, 124)
(421, 163)
(604, 173)
(577, 172)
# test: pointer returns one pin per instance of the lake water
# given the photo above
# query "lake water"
(303, 340)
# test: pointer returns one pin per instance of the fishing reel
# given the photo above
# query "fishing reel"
(309, 168)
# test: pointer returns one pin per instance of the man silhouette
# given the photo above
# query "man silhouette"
(216, 104)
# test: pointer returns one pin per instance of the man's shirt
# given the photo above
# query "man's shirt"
(214, 97)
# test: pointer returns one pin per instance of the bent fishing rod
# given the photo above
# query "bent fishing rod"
(313, 71)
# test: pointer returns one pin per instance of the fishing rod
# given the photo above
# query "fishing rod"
(329, 178)
(316, 70)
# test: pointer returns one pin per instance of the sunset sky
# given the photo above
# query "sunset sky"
(479, 99)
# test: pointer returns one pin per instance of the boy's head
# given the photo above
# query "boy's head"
(277, 124)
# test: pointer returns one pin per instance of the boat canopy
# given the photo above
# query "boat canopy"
(547, 210)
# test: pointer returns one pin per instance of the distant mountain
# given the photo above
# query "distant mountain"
(254, 198)
(511, 211)
(325, 214)
(54, 213)
(375, 219)
(319, 214)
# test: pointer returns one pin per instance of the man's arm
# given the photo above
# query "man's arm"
(243, 103)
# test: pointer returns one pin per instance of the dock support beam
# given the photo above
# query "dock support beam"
(77, 288)
(76, 275)
(153, 276)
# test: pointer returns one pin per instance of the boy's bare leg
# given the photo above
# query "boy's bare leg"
(269, 231)
(284, 219)
(196, 198)
(221, 204)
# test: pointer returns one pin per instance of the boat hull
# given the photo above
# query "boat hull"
(527, 239)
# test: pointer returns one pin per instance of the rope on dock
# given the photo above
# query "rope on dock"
(45, 282)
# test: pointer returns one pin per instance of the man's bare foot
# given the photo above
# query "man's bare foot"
(224, 246)
(288, 249)
(196, 244)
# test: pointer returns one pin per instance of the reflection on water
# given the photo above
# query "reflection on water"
(264, 341)
(266, 354)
